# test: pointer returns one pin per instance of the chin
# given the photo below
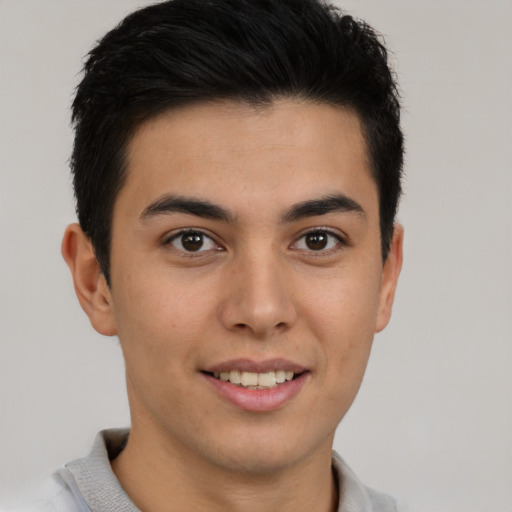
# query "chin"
(257, 454)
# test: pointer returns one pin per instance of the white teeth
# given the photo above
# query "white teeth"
(267, 379)
(254, 380)
(235, 377)
(249, 379)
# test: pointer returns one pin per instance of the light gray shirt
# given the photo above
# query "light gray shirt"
(89, 484)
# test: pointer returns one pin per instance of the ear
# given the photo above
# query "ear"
(390, 273)
(90, 285)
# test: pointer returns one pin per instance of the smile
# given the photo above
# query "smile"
(253, 380)
(258, 390)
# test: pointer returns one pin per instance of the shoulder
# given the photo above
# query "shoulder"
(52, 495)
(354, 495)
(83, 484)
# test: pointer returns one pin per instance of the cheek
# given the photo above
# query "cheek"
(345, 325)
(160, 321)
(343, 305)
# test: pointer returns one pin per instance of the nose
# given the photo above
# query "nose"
(258, 297)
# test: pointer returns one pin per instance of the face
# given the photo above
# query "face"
(247, 281)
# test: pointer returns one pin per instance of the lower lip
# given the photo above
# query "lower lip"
(258, 400)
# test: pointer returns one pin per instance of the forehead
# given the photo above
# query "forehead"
(289, 150)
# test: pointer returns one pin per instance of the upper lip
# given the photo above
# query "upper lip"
(250, 365)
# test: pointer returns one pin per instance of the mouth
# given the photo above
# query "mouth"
(258, 386)
(255, 380)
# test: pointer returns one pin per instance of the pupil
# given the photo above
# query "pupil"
(192, 241)
(316, 241)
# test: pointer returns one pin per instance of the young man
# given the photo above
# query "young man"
(237, 172)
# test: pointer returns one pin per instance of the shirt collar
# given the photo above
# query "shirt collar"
(95, 482)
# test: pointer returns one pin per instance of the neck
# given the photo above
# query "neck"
(158, 475)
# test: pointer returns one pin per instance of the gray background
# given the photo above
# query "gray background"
(433, 421)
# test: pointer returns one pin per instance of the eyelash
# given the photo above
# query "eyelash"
(191, 254)
(311, 253)
(341, 242)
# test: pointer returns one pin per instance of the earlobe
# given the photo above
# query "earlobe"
(90, 285)
(390, 274)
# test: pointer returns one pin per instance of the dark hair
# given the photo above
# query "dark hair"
(182, 52)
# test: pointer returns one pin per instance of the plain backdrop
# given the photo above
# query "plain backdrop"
(433, 421)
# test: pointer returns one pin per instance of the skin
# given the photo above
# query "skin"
(255, 290)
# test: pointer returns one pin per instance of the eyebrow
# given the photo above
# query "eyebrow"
(192, 206)
(205, 209)
(323, 206)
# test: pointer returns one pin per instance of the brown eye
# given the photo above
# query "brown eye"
(192, 241)
(316, 241)
(319, 241)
